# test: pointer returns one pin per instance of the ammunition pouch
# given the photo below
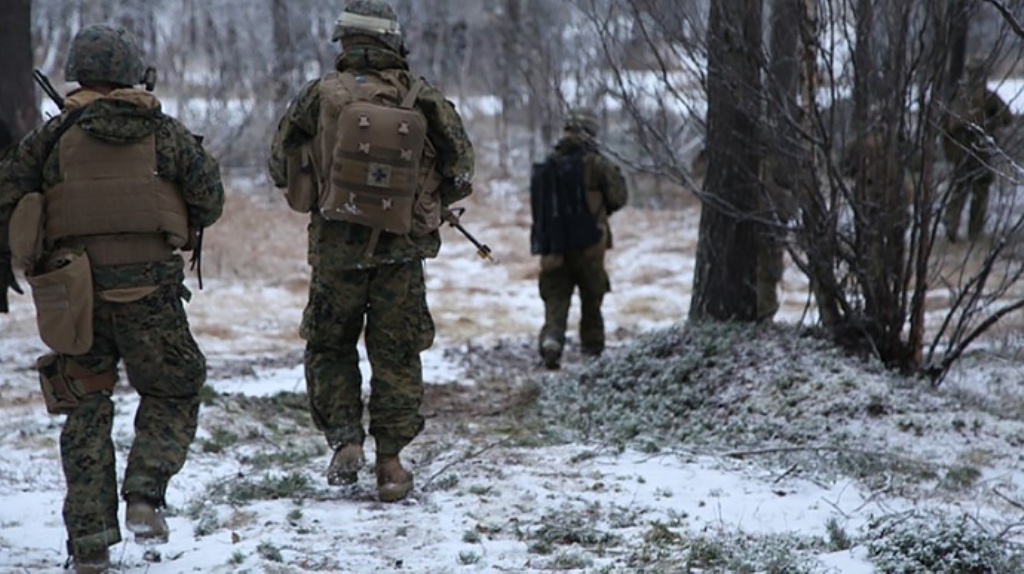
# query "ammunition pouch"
(64, 383)
(63, 296)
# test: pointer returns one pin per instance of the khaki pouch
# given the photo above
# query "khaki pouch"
(302, 193)
(26, 232)
(63, 298)
(65, 383)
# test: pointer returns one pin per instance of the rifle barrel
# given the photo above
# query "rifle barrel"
(48, 88)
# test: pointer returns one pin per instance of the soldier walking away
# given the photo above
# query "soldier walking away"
(97, 201)
(376, 156)
(977, 114)
(572, 194)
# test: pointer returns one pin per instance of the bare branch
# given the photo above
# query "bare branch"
(1008, 16)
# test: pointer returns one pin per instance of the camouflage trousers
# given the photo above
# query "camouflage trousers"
(558, 282)
(971, 178)
(165, 366)
(387, 305)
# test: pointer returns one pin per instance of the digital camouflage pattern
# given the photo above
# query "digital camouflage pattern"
(150, 335)
(102, 53)
(340, 244)
(167, 369)
(373, 8)
(562, 274)
(122, 116)
(978, 113)
(390, 301)
(381, 296)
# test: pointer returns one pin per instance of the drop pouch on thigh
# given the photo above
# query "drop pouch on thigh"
(63, 299)
(65, 383)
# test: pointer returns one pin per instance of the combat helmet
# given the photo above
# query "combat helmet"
(371, 18)
(581, 120)
(102, 53)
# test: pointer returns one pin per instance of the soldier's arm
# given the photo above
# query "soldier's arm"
(455, 158)
(21, 172)
(297, 126)
(183, 160)
(613, 185)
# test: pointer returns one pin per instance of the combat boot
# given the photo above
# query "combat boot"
(146, 521)
(93, 562)
(393, 481)
(345, 465)
(551, 352)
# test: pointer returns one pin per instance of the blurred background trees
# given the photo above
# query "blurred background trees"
(811, 125)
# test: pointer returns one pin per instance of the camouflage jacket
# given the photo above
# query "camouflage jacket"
(601, 178)
(122, 116)
(976, 115)
(343, 245)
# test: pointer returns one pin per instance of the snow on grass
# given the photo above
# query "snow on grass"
(638, 481)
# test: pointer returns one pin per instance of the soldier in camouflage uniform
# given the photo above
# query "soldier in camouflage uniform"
(977, 114)
(562, 273)
(137, 314)
(380, 295)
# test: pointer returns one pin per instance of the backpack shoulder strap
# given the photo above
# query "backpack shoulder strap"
(350, 84)
(68, 123)
(409, 101)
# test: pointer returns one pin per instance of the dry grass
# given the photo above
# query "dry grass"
(256, 238)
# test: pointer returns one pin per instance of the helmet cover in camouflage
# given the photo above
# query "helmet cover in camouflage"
(102, 53)
(371, 18)
(581, 120)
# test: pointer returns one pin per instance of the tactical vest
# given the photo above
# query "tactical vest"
(111, 200)
(377, 165)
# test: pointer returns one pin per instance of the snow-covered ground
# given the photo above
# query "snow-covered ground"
(489, 498)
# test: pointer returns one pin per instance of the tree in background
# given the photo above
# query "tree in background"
(18, 109)
(725, 279)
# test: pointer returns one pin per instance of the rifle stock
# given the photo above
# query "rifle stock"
(452, 217)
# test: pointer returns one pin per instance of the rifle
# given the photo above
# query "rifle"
(196, 262)
(48, 88)
(452, 217)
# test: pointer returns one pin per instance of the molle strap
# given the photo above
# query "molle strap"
(91, 382)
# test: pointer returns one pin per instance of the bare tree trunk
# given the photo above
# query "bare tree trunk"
(725, 276)
(283, 50)
(18, 109)
(959, 24)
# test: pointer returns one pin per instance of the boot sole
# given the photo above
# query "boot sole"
(342, 478)
(394, 491)
(147, 536)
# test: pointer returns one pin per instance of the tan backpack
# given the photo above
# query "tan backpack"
(377, 163)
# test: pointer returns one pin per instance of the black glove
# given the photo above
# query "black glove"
(7, 281)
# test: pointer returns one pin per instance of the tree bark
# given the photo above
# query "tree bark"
(726, 268)
(18, 109)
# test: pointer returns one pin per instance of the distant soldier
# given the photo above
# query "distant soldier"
(375, 155)
(969, 144)
(572, 195)
(98, 201)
